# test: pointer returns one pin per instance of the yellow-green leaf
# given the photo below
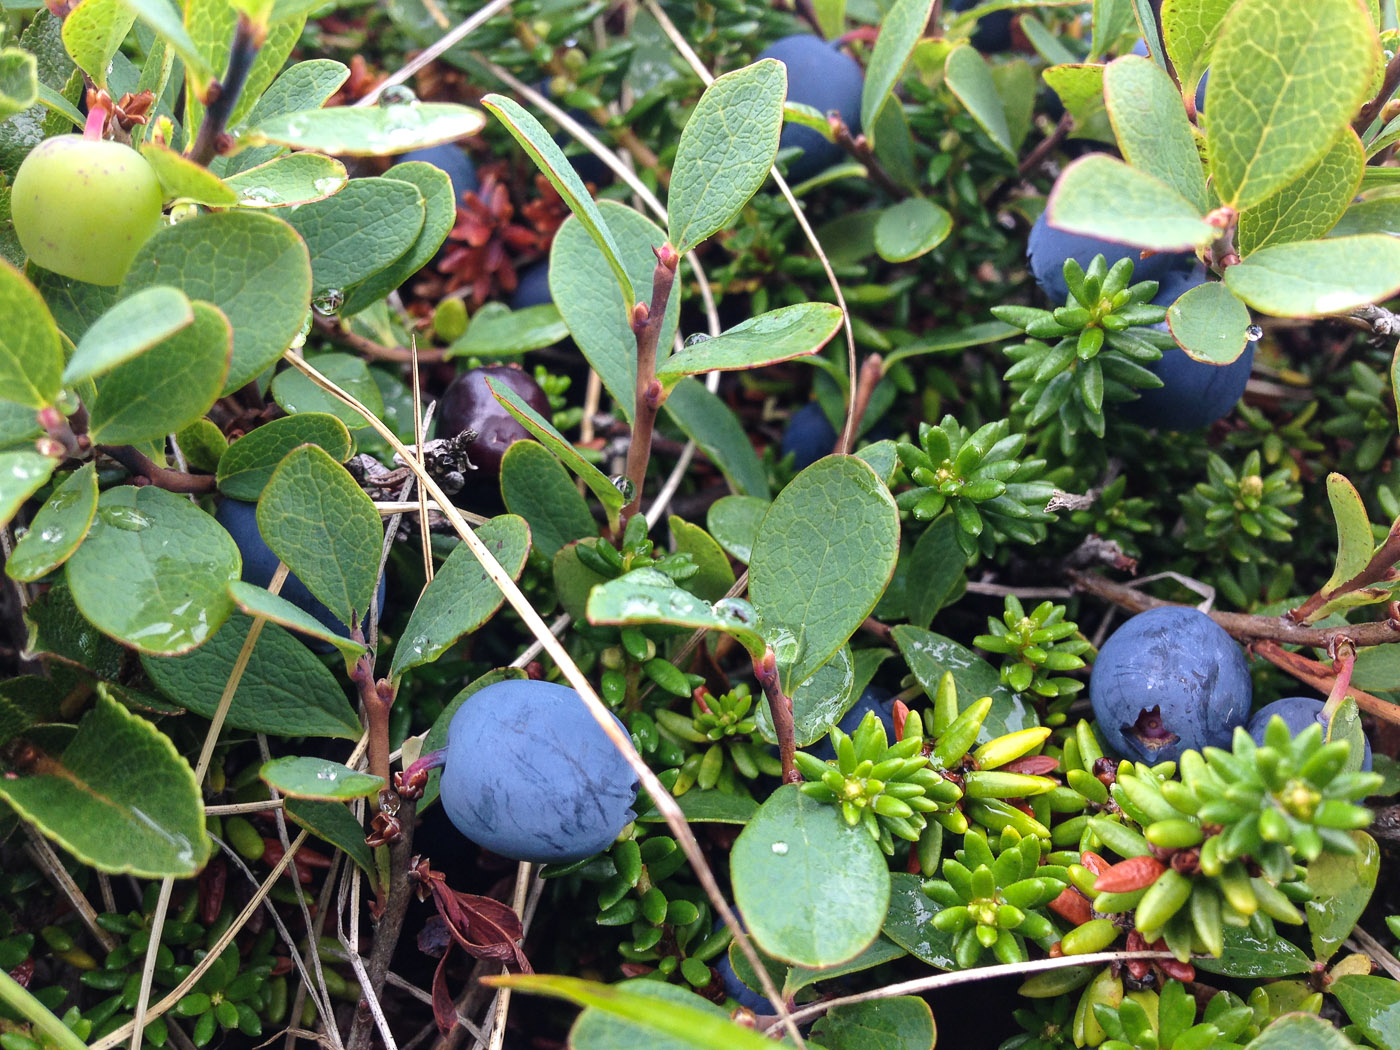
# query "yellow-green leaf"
(1286, 78)
(1354, 542)
(1308, 206)
(1153, 133)
(1210, 323)
(1103, 197)
(1312, 278)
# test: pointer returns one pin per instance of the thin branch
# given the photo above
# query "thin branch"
(440, 47)
(647, 323)
(1324, 679)
(1244, 627)
(858, 146)
(141, 465)
(1046, 146)
(1368, 113)
(780, 709)
(223, 95)
(332, 329)
(1377, 318)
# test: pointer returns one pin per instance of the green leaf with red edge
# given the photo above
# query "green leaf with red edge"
(120, 798)
(779, 335)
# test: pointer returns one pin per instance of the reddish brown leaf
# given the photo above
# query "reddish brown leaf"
(1135, 873)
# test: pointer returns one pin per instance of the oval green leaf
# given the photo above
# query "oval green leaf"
(255, 601)
(369, 131)
(797, 848)
(911, 228)
(359, 231)
(134, 583)
(295, 393)
(904, 1022)
(725, 151)
(1209, 323)
(1286, 77)
(461, 596)
(900, 29)
(247, 465)
(1342, 885)
(1103, 197)
(120, 798)
(250, 265)
(550, 159)
(322, 525)
(536, 486)
(1153, 133)
(909, 923)
(284, 691)
(296, 178)
(136, 323)
(704, 418)
(498, 331)
(58, 529)
(21, 475)
(93, 32)
(650, 596)
(1313, 278)
(970, 79)
(300, 776)
(594, 308)
(168, 387)
(823, 556)
(1311, 204)
(1300, 1031)
(31, 360)
(779, 335)
(439, 215)
(1373, 1004)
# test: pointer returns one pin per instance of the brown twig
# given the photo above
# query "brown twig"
(222, 95)
(1244, 627)
(143, 466)
(858, 146)
(1380, 569)
(765, 670)
(1377, 319)
(1323, 678)
(871, 371)
(647, 323)
(365, 347)
(1036, 157)
(1367, 113)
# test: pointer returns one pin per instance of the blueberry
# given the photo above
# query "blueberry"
(1048, 248)
(532, 287)
(809, 435)
(881, 701)
(1169, 680)
(735, 988)
(259, 563)
(530, 775)
(1193, 393)
(1140, 48)
(1299, 712)
(993, 33)
(825, 78)
(454, 161)
(467, 403)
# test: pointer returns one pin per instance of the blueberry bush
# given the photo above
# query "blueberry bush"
(859, 523)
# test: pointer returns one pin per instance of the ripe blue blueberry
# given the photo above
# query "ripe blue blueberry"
(1299, 712)
(530, 775)
(1167, 681)
(809, 435)
(532, 287)
(993, 33)
(1048, 248)
(259, 563)
(881, 701)
(1193, 393)
(825, 78)
(452, 160)
(1140, 49)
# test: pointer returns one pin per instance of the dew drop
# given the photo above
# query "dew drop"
(125, 518)
(397, 95)
(623, 484)
(53, 534)
(328, 302)
(780, 848)
(1254, 333)
(695, 339)
(325, 774)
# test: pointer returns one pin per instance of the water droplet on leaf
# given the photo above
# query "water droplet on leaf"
(328, 302)
(780, 848)
(397, 95)
(623, 484)
(695, 339)
(1254, 333)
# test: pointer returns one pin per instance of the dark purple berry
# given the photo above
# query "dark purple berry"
(825, 78)
(467, 404)
(1298, 712)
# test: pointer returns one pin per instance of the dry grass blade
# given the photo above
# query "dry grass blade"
(661, 798)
